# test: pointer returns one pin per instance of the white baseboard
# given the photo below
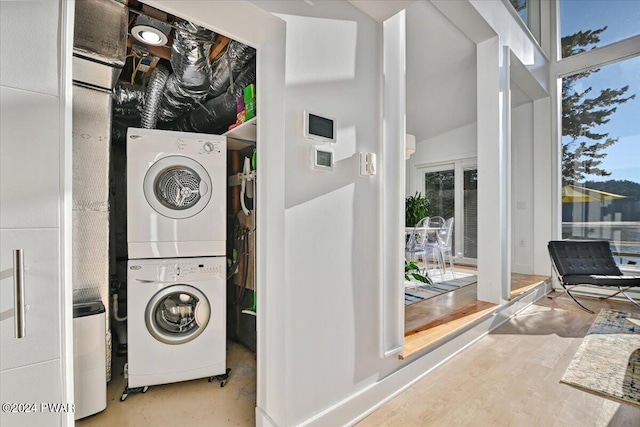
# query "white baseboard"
(358, 406)
(263, 420)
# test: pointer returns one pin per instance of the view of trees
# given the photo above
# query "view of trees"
(626, 188)
(582, 112)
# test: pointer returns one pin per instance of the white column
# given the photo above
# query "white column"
(494, 111)
(543, 182)
(393, 176)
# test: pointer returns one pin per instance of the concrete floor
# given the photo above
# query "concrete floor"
(189, 403)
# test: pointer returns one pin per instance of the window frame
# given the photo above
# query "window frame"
(564, 67)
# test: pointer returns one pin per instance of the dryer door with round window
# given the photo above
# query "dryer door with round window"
(177, 314)
(177, 187)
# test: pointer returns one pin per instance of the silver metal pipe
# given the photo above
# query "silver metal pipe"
(18, 294)
(155, 87)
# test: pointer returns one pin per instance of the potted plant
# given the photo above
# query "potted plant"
(416, 208)
(412, 271)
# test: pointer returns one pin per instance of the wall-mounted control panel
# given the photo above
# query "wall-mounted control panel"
(322, 158)
(319, 127)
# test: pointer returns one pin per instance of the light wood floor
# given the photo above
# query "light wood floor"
(459, 303)
(511, 378)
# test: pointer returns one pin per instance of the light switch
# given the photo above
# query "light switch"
(367, 164)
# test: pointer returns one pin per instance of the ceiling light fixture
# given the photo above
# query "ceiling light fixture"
(410, 145)
(149, 35)
(150, 31)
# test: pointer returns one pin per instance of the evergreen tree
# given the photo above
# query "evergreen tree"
(582, 112)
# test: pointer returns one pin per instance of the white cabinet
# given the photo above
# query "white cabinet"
(29, 45)
(34, 384)
(29, 159)
(31, 369)
(42, 297)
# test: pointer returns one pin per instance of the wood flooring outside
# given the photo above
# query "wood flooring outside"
(429, 321)
(521, 283)
(511, 377)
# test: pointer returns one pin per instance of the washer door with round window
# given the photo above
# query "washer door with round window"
(177, 314)
(177, 187)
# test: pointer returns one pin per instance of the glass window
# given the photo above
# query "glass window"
(600, 152)
(521, 7)
(440, 190)
(587, 24)
(470, 208)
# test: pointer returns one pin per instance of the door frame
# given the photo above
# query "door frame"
(249, 24)
(67, 15)
(458, 166)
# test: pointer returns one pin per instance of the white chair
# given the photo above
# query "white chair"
(415, 247)
(432, 246)
(444, 244)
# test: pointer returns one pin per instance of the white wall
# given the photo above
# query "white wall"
(332, 220)
(460, 143)
(331, 309)
(441, 70)
(522, 188)
(521, 43)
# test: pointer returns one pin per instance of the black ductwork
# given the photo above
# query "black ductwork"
(215, 115)
(127, 100)
(189, 83)
(178, 100)
(235, 59)
(128, 103)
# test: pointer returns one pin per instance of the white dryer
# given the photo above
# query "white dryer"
(176, 194)
(176, 320)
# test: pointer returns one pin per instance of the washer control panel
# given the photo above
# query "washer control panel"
(190, 269)
(177, 269)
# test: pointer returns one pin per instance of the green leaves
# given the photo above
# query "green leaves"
(411, 269)
(416, 208)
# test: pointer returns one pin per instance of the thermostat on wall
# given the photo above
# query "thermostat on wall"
(319, 126)
(321, 158)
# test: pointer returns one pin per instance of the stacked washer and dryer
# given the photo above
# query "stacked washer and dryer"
(176, 238)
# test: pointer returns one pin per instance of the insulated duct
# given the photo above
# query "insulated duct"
(90, 214)
(190, 80)
(99, 42)
(234, 60)
(127, 100)
(153, 96)
(128, 103)
(215, 114)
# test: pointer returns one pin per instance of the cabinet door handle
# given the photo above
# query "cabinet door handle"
(18, 293)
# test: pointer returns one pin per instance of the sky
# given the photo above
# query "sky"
(622, 18)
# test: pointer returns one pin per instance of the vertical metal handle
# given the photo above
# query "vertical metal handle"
(18, 293)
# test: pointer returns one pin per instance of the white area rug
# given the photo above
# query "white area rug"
(607, 362)
(413, 294)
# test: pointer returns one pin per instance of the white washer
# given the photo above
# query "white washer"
(176, 194)
(176, 320)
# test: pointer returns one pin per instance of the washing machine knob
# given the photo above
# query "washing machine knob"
(208, 147)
